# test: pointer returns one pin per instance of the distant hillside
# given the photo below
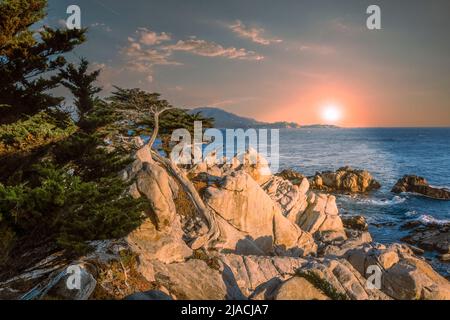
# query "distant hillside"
(224, 119)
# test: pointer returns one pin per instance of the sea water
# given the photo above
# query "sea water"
(388, 154)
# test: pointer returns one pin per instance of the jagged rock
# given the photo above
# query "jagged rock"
(259, 276)
(311, 212)
(345, 179)
(403, 275)
(292, 176)
(151, 244)
(298, 288)
(338, 248)
(292, 199)
(195, 280)
(343, 279)
(322, 216)
(429, 237)
(419, 185)
(355, 223)
(243, 205)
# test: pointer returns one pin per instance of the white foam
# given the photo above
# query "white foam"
(411, 213)
(426, 219)
(384, 202)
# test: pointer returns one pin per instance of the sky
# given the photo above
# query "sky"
(305, 61)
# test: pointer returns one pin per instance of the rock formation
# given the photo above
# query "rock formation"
(419, 185)
(430, 237)
(344, 179)
(263, 237)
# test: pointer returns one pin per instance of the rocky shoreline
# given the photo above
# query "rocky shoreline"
(263, 236)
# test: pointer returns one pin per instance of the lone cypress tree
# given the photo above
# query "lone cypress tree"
(28, 56)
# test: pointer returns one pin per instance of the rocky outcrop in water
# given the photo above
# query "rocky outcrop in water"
(430, 237)
(344, 179)
(419, 185)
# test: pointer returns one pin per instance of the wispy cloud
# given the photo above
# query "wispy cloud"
(255, 34)
(149, 38)
(147, 49)
(212, 49)
(141, 57)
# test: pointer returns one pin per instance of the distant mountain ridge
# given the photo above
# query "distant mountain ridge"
(225, 119)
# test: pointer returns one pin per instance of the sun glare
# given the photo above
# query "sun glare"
(331, 113)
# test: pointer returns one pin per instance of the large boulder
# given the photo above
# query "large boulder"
(154, 183)
(195, 280)
(355, 223)
(246, 213)
(299, 288)
(258, 277)
(291, 198)
(151, 244)
(314, 213)
(322, 217)
(345, 179)
(430, 237)
(340, 280)
(419, 185)
(404, 276)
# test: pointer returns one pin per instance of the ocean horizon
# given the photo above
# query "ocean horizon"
(388, 154)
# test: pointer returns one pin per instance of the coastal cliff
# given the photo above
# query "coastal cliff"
(272, 239)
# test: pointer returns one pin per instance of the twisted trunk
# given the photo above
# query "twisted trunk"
(190, 190)
(188, 187)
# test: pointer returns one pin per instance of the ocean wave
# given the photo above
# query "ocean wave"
(411, 213)
(384, 202)
(426, 219)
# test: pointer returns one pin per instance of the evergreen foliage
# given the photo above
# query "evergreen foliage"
(30, 58)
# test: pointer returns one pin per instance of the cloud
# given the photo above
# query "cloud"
(211, 49)
(141, 57)
(147, 49)
(149, 38)
(253, 33)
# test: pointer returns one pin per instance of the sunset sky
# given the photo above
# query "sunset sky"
(303, 61)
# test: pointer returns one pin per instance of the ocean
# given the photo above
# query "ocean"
(388, 154)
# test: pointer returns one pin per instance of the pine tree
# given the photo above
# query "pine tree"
(81, 83)
(28, 57)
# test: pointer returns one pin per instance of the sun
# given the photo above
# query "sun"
(331, 113)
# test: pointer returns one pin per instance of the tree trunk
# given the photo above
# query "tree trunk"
(152, 140)
(189, 188)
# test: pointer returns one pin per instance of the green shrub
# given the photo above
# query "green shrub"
(40, 129)
(70, 210)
